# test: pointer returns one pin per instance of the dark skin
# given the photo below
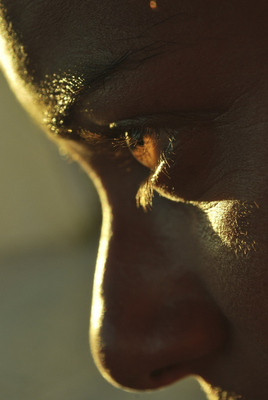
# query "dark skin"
(175, 97)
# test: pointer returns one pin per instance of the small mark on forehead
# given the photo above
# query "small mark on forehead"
(153, 5)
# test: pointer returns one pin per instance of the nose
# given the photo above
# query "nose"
(152, 318)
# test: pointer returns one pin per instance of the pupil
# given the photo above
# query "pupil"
(139, 142)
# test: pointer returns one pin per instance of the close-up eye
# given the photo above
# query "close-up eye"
(147, 145)
(148, 148)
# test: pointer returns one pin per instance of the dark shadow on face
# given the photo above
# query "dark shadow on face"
(174, 289)
(175, 277)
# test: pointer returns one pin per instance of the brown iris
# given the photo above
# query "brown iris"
(146, 150)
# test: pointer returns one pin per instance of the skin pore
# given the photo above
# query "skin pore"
(166, 109)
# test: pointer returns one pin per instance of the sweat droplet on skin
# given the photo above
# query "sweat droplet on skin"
(153, 5)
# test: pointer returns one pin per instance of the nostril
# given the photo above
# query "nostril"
(153, 342)
(169, 374)
(128, 359)
(158, 373)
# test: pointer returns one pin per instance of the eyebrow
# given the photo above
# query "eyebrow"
(61, 91)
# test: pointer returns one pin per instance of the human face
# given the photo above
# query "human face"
(174, 96)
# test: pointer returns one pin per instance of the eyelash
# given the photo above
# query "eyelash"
(128, 136)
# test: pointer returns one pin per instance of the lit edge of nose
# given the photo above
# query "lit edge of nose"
(167, 369)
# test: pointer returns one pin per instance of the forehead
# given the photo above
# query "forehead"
(66, 34)
(177, 53)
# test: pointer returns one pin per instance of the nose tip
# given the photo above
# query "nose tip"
(147, 350)
(131, 373)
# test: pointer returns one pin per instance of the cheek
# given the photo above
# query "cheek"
(234, 263)
(231, 220)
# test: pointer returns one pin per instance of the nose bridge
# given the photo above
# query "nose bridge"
(150, 312)
(139, 255)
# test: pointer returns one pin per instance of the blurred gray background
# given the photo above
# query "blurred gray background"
(50, 221)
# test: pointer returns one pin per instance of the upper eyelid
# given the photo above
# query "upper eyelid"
(170, 124)
(124, 125)
(170, 121)
(104, 135)
(175, 122)
(116, 130)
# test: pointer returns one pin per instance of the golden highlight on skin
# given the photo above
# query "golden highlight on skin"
(60, 90)
(230, 220)
(97, 310)
(12, 57)
(214, 393)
